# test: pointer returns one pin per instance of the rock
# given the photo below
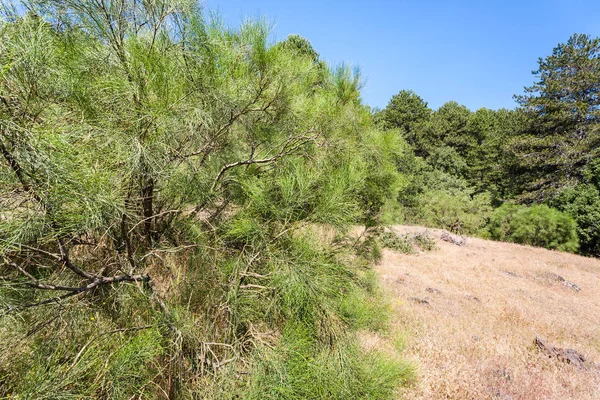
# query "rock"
(419, 301)
(565, 282)
(568, 356)
(471, 297)
(554, 277)
(571, 285)
(433, 290)
(459, 241)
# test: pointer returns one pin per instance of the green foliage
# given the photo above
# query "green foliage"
(562, 135)
(370, 249)
(366, 308)
(131, 366)
(582, 202)
(491, 161)
(384, 154)
(464, 145)
(341, 372)
(466, 161)
(446, 159)
(170, 189)
(424, 242)
(545, 151)
(300, 46)
(538, 225)
(457, 213)
(407, 243)
(405, 111)
(393, 241)
(449, 126)
(81, 354)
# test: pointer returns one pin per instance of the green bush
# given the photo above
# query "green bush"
(436, 198)
(157, 243)
(458, 213)
(538, 225)
(401, 243)
(583, 204)
(407, 243)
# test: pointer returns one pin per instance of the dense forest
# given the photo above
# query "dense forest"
(180, 200)
(529, 175)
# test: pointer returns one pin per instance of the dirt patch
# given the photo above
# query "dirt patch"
(474, 341)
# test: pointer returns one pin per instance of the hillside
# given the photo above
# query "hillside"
(470, 316)
(191, 209)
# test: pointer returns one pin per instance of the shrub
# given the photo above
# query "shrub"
(538, 225)
(341, 372)
(437, 198)
(425, 242)
(458, 213)
(167, 234)
(582, 203)
(401, 243)
(407, 243)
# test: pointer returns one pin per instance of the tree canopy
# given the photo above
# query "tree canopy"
(562, 135)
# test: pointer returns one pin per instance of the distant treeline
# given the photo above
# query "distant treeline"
(543, 152)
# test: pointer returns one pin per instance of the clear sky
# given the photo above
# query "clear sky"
(478, 53)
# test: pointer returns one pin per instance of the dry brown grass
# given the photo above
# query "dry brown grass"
(487, 302)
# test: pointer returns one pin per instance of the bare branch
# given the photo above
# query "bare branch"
(64, 257)
(83, 289)
(252, 286)
(35, 283)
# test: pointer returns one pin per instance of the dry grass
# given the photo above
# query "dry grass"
(486, 303)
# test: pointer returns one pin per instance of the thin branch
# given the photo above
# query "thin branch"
(35, 283)
(125, 233)
(288, 148)
(44, 252)
(18, 170)
(205, 150)
(252, 286)
(84, 289)
(151, 217)
(64, 257)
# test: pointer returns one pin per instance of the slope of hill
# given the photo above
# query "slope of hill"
(471, 315)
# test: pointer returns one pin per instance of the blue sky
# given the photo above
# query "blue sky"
(478, 53)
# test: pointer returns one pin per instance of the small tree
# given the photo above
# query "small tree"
(406, 111)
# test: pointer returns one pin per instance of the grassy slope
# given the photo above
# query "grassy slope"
(474, 340)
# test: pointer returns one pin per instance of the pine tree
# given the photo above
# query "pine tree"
(563, 107)
(406, 111)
